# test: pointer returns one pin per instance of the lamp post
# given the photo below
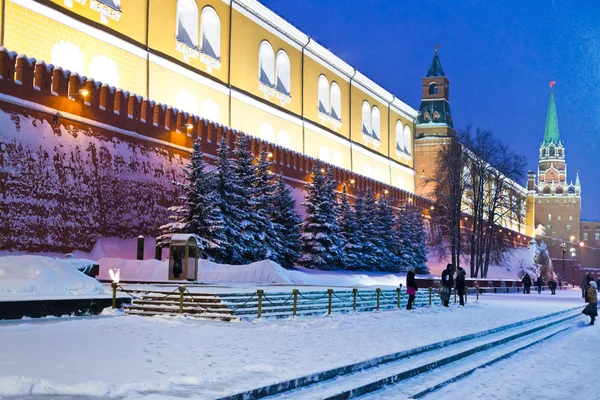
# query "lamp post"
(573, 265)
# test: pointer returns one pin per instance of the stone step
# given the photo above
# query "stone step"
(215, 317)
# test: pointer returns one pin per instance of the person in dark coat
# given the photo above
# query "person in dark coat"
(592, 308)
(526, 283)
(585, 285)
(539, 283)
(411, 287)
(447, 283)
(460, 284)
(598, 283)
(552, 285)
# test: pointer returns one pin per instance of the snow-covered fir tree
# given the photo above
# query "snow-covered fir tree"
(230, 196)
(254, 221)
(366, 215)
(384, 226)
(411, 237)
(198, 213)
(322, 247)
(265, 186)
(286, 223)
(349, 233)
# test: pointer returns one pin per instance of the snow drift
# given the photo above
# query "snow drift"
(22, 276)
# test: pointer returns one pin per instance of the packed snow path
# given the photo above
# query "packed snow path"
(133, 357)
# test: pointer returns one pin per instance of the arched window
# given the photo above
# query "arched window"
(323, 94)
(399, 137)
(551, 151)
(324, 154)
(549, 217)
(368, 170)
(366, 119)
(283, 72)
(569, 228)
(186, 101)
(336, 101)
(378, 175)
(597, 236)
(284, 139)
(266, 64)
(407, 139)
(114, 4)
(585, 236)
(187, 22)
(376, 123)
(210, 110)
(336, 159)
(267, 132)
(433, 88)
(210, 39)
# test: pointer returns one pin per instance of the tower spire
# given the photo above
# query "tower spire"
(436, 66)
(551, 134)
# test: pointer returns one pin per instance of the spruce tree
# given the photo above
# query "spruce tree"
(230, 196)
(286, 223)
(198, 213)
(253, 221)
(366, 215)
(349, 233)
(321, 243)
(265, 187)
(412, 248)
(384, 228)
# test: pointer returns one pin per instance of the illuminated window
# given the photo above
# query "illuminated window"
(549, 217)
(559, 218)
(378, 174)
(569, 228)
(376, 124)
(548, 226)
(368, 170)
(570, 218)
(67, 56)
(266, 64)
(324, 154)
(585, 236)
(336, 101)
(323, 94)
(399, 137)
(210, 110)
(283, 72)
(267, 132)
(407, 139)
(597, 236)
(284, 139)
(187, 22)
(105, 70)
(336, 159)
(366, 119)
(210, 39)
(186, 101)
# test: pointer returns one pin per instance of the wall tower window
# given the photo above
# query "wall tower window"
(569, 228)
(283, 72)
(585, 236)
(266, 64)
(433, 88)
(549, 217)
(210, 39)
(597, 236)
(187, 22)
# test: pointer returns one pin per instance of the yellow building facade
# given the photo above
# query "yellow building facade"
(233, 62)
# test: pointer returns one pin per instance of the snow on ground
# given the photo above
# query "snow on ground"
(26, 276)
(261, 272)
(123, 356)
(562, 367)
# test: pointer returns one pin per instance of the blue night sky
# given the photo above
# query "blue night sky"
(499, 56)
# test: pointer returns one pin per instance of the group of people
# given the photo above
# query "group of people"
(539, 283)
(448, 282)
(589, 291)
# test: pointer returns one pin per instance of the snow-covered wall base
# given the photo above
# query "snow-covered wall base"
(64, 186)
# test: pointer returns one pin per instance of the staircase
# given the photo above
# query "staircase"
(237, 306)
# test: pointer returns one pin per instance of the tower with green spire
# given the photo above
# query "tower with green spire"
(558, 202)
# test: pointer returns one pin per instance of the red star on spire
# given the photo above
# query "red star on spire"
(552, 83)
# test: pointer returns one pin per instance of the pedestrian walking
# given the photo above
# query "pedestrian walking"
(447, 284)
(411, 287)
(460, 284)
(592, 308)
(539, 283)
(552, 285)
(526, 283)
(583, 286)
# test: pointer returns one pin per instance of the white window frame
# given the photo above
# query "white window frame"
(283, 73)
(399, 137)
(376, 123)
(211, 31)
(407, 139)
(335, 101)
(366, 119)
(266, 63)
(323, 94)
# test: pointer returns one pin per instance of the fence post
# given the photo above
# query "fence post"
(454, 294)
(430, 294)
(378, 293)
(114, 295)
(259, 293)
(477, 290)
(466, 293)
(354, 293)
(295, 292)
(181, 290)
(398, 291)
(330, 293)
